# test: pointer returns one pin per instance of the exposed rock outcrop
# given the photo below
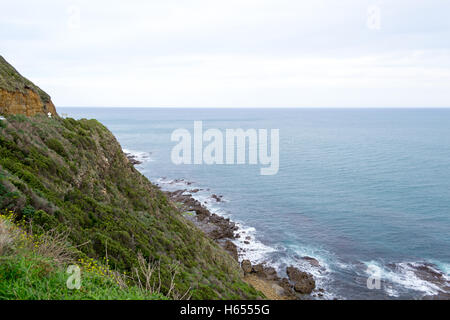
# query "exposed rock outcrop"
(303, 282)
(232, 249)
(246, 266)
(312, 261)
(18, 95)
(215, 226)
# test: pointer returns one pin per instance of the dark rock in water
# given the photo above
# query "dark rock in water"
(312, 261)
(246, 266)
(217, 198)
(439, 296)
(232, 249)
(195, 190)
(427, 272)
(132, 159)
(303, 281)
(431, 273)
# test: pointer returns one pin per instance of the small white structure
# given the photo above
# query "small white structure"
(49, 114)
(2, 118)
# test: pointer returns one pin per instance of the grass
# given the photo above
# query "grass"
(33, 269)
(28, 276)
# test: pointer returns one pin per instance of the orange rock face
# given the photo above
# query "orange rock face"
(28, 103)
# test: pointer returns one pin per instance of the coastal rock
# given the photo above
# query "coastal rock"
(286, 285)
(232, 249)
(220, 233)
(224, 228)
(271, 273)
(427, 272)
(439, 296)
(278, 289)
(215, 226)
(132, 159)
(312, 261)
(264, 272)
(258, 269)
(217, 198)
(246, 266)
(303, 281)
(430, 273)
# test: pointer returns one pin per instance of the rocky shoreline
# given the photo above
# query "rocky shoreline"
(132, 158)
(297, 285)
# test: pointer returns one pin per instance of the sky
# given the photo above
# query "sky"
(234, 53)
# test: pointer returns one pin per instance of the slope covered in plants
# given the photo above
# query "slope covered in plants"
(72, 177)
(34, 267)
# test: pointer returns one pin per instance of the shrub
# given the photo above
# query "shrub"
(56, 146)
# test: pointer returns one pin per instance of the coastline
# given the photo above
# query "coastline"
(199, 205)
(298, 284)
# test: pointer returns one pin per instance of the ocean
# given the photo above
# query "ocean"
(366, 192)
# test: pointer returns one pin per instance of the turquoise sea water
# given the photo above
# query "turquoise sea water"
(364, 191)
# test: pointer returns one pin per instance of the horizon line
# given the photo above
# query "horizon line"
(175, 107)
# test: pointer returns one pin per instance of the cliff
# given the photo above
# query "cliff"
(73, 177)
(19, 95)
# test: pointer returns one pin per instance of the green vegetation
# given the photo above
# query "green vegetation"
(11, 80)
(71, 177)
(31, 269)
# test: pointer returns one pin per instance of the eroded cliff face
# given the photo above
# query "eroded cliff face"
(28, 103)
(18, 95)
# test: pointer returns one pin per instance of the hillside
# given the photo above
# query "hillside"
(19, 95)
(72, 176)
(33, 267)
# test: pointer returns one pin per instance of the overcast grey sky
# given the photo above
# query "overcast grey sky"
(233, 53)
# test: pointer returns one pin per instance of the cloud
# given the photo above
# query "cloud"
(231, 53)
